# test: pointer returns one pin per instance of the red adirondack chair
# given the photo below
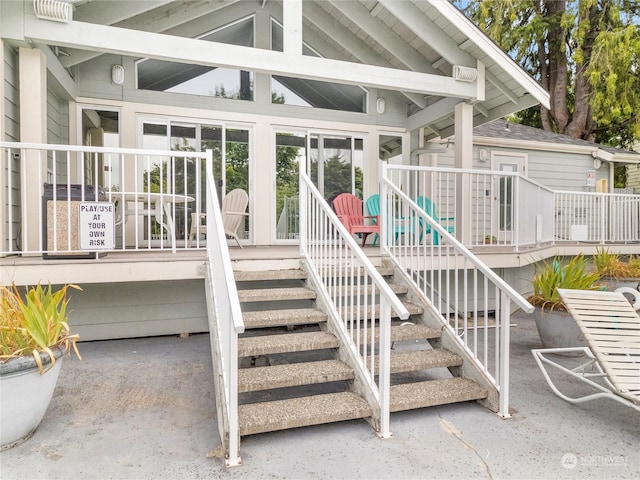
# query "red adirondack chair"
(349, 210)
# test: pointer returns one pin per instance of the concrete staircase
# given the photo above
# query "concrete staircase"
(290, 372)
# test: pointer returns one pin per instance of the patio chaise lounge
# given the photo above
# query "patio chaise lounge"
(611, 328)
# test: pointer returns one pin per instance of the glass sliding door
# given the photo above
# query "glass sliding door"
(290, 151)
(335, 164)
(187, 176)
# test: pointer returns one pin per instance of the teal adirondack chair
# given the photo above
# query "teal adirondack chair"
(373, 207)
(429, 207)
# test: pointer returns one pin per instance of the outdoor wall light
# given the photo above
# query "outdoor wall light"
(55, 10)
(381, 105)
(117, 74)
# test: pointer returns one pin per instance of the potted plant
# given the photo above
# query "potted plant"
(34, 336)
(617, 271)
(556, 327)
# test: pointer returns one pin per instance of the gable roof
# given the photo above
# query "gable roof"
(524, 136)
(407, 48)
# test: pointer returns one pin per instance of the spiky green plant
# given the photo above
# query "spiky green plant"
(35, 322)
(616, 266)
(553, 274)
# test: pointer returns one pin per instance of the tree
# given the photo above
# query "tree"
(584, 52)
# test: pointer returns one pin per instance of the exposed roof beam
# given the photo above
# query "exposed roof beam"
(59, 73)
(429, 32)
(449, 11)
(360, 50)
(384, 36)
(152, 45)
(433, 113)
(114, 11)
(167, 22)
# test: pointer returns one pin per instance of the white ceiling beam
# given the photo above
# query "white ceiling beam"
(162, 24)
(429, 32)
(433, 113)
(384, 36)
(114, 11)
(451, 13)
(360, 50)
(176, 49)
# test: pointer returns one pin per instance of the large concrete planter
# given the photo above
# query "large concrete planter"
(25, 395)
(558, 329)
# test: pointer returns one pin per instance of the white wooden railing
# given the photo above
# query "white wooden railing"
(348, 285)
(225, 323)
(153, 194)
(597, 217)
(484, 207)
(472, 302)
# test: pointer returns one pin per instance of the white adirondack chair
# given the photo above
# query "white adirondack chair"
(233, 210)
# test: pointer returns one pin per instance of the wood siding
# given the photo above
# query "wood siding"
(128, 310)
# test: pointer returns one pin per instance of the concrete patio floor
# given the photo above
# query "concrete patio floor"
(144, 409)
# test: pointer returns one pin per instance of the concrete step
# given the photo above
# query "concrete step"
(403, 332)
(415, 360)
(409, 396)
(277, 318)
(267, 275)
(292, 375)
(366, 312)
(300, 412)
(348, 289)
(276, 294)
(285, 343)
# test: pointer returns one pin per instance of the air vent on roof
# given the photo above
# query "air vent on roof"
(55, 10)
(465, 74)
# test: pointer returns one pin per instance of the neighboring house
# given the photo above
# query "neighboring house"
(633, 174)
(556, 161)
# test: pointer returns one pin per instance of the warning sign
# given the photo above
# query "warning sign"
(97, 225)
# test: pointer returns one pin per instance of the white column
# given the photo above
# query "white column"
(463, 156)
(33, 129)
(292, 26)
(262, 185)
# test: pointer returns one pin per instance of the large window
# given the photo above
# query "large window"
(313, 93)
(164, 76)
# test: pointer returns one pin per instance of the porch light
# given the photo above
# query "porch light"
(56, 10)
(117, 74)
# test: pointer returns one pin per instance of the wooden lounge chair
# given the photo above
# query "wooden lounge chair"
(611, 327)
(348, 207)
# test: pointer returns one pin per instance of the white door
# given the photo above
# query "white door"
(505, 192)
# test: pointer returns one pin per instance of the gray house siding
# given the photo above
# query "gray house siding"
(128, 310)
(556, 170)
(633, 177)
(11, 133)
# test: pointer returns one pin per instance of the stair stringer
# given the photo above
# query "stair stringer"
(431, 318)
(360, 384)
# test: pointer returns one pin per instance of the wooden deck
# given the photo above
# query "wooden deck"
(158, 265)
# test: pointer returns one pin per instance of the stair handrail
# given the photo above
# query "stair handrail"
(327, 246)
(225, 322)
(411, 255)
